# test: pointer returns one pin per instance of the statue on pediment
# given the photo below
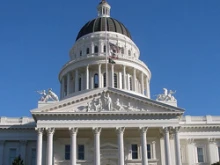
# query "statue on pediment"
(49, 95)
(118, 105)
(108, 101)
(166, 96)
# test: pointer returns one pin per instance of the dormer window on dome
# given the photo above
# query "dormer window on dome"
(103, 9)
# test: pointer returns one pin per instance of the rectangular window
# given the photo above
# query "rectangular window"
(134, 150)
(67, 152)
(200, 154)
(219, 153)
(149, 151)
(81, 152)
(33, 156)
(12, 154)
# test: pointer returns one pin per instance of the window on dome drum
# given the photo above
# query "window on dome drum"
(104, 80)
(200, 154)
(149, 151)
(67, 152)
(33, 156)
(104, 48)
(96, 80)
(80, 84)
(134, 151)
(130, 83)
(115, 80)
(96, 49)
(122, 51)
(12, 154)
(81, 152)
(80, 53)
(87, 51)
(129, 52)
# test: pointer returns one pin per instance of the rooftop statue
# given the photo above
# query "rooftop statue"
(47, 96)
(166, 96)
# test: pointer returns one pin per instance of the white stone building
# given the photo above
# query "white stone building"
(105, 115)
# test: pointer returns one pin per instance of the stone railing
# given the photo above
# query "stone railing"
(200, 119)
(16, 121)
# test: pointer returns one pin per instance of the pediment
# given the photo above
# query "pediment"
(108, 100)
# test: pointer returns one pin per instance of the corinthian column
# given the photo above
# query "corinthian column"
(73, 134)
(97, 132)
(50, 133)
(167, 145)
(39, 145)
(177, 146)
(120, 132)
(144, 145)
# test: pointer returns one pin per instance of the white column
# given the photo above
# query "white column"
(124, 77)
(211, 150)
(134, 79)
(177, 146)
(39, 145)
(50, 133)
(97, 132)
(154, 150)
(100, 75)
(144, 146)
(147, 88)
(190, 151)
(76, 80)
(167, 145)
(23, 144)
(2, 143)
(120, 80)
(73, 146)
(62, 88)
(112, 77)
(68, 84)
(142, 83)
(120, 132)
(87, 77)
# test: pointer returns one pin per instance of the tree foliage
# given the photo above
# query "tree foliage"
(18, 161)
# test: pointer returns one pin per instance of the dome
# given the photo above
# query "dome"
(98, 24)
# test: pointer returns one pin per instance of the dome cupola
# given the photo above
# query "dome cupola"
(103, 9)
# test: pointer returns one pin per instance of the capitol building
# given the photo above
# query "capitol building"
(105, 115)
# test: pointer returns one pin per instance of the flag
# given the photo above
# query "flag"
(114, 50)
(110, 61)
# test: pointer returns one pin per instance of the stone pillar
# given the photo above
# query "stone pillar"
(112, 75)
(124, 77)
(211, 148)
(87, 77)
(2, 143)
(62, 87)
(190, 151)
(134, 79)
(39, 145)
(167, 145)
(120, 132)
(144, 145)
(50, 133)
(154, 156)
(177, 146)
(120, 80)
(76, 80)
(73, 145)
(147, 88)
(23, 144)
(100, 75)
(97, 132)
(68, 84)
(142, 83)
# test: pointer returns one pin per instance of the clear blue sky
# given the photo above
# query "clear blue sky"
(178, 40)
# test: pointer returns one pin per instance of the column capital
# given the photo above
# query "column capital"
(73, 130)
(120, 130)
(176, 129)
(97, 130)
(211, 140)
(50, 131)
(190, 141)
(143, 129)
(166, 129)
(40, 130)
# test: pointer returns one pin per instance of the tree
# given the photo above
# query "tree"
(18, 161)
(217, 163)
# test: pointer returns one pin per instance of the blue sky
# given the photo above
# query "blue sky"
(178, 40)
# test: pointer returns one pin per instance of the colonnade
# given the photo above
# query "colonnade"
(118, 77)
(97, 132)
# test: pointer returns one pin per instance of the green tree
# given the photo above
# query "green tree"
(217, 163)
(18, 161)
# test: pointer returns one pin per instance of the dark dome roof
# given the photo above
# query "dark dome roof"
(98, 24)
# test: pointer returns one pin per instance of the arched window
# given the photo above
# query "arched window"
(80, 53)
(96, 49)
(115, 80)
(87, 51)
(104, 80)
(122, 50)
(96, 80)
(104, 48)
(80, 84)
(129, 52)
(130, 83)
